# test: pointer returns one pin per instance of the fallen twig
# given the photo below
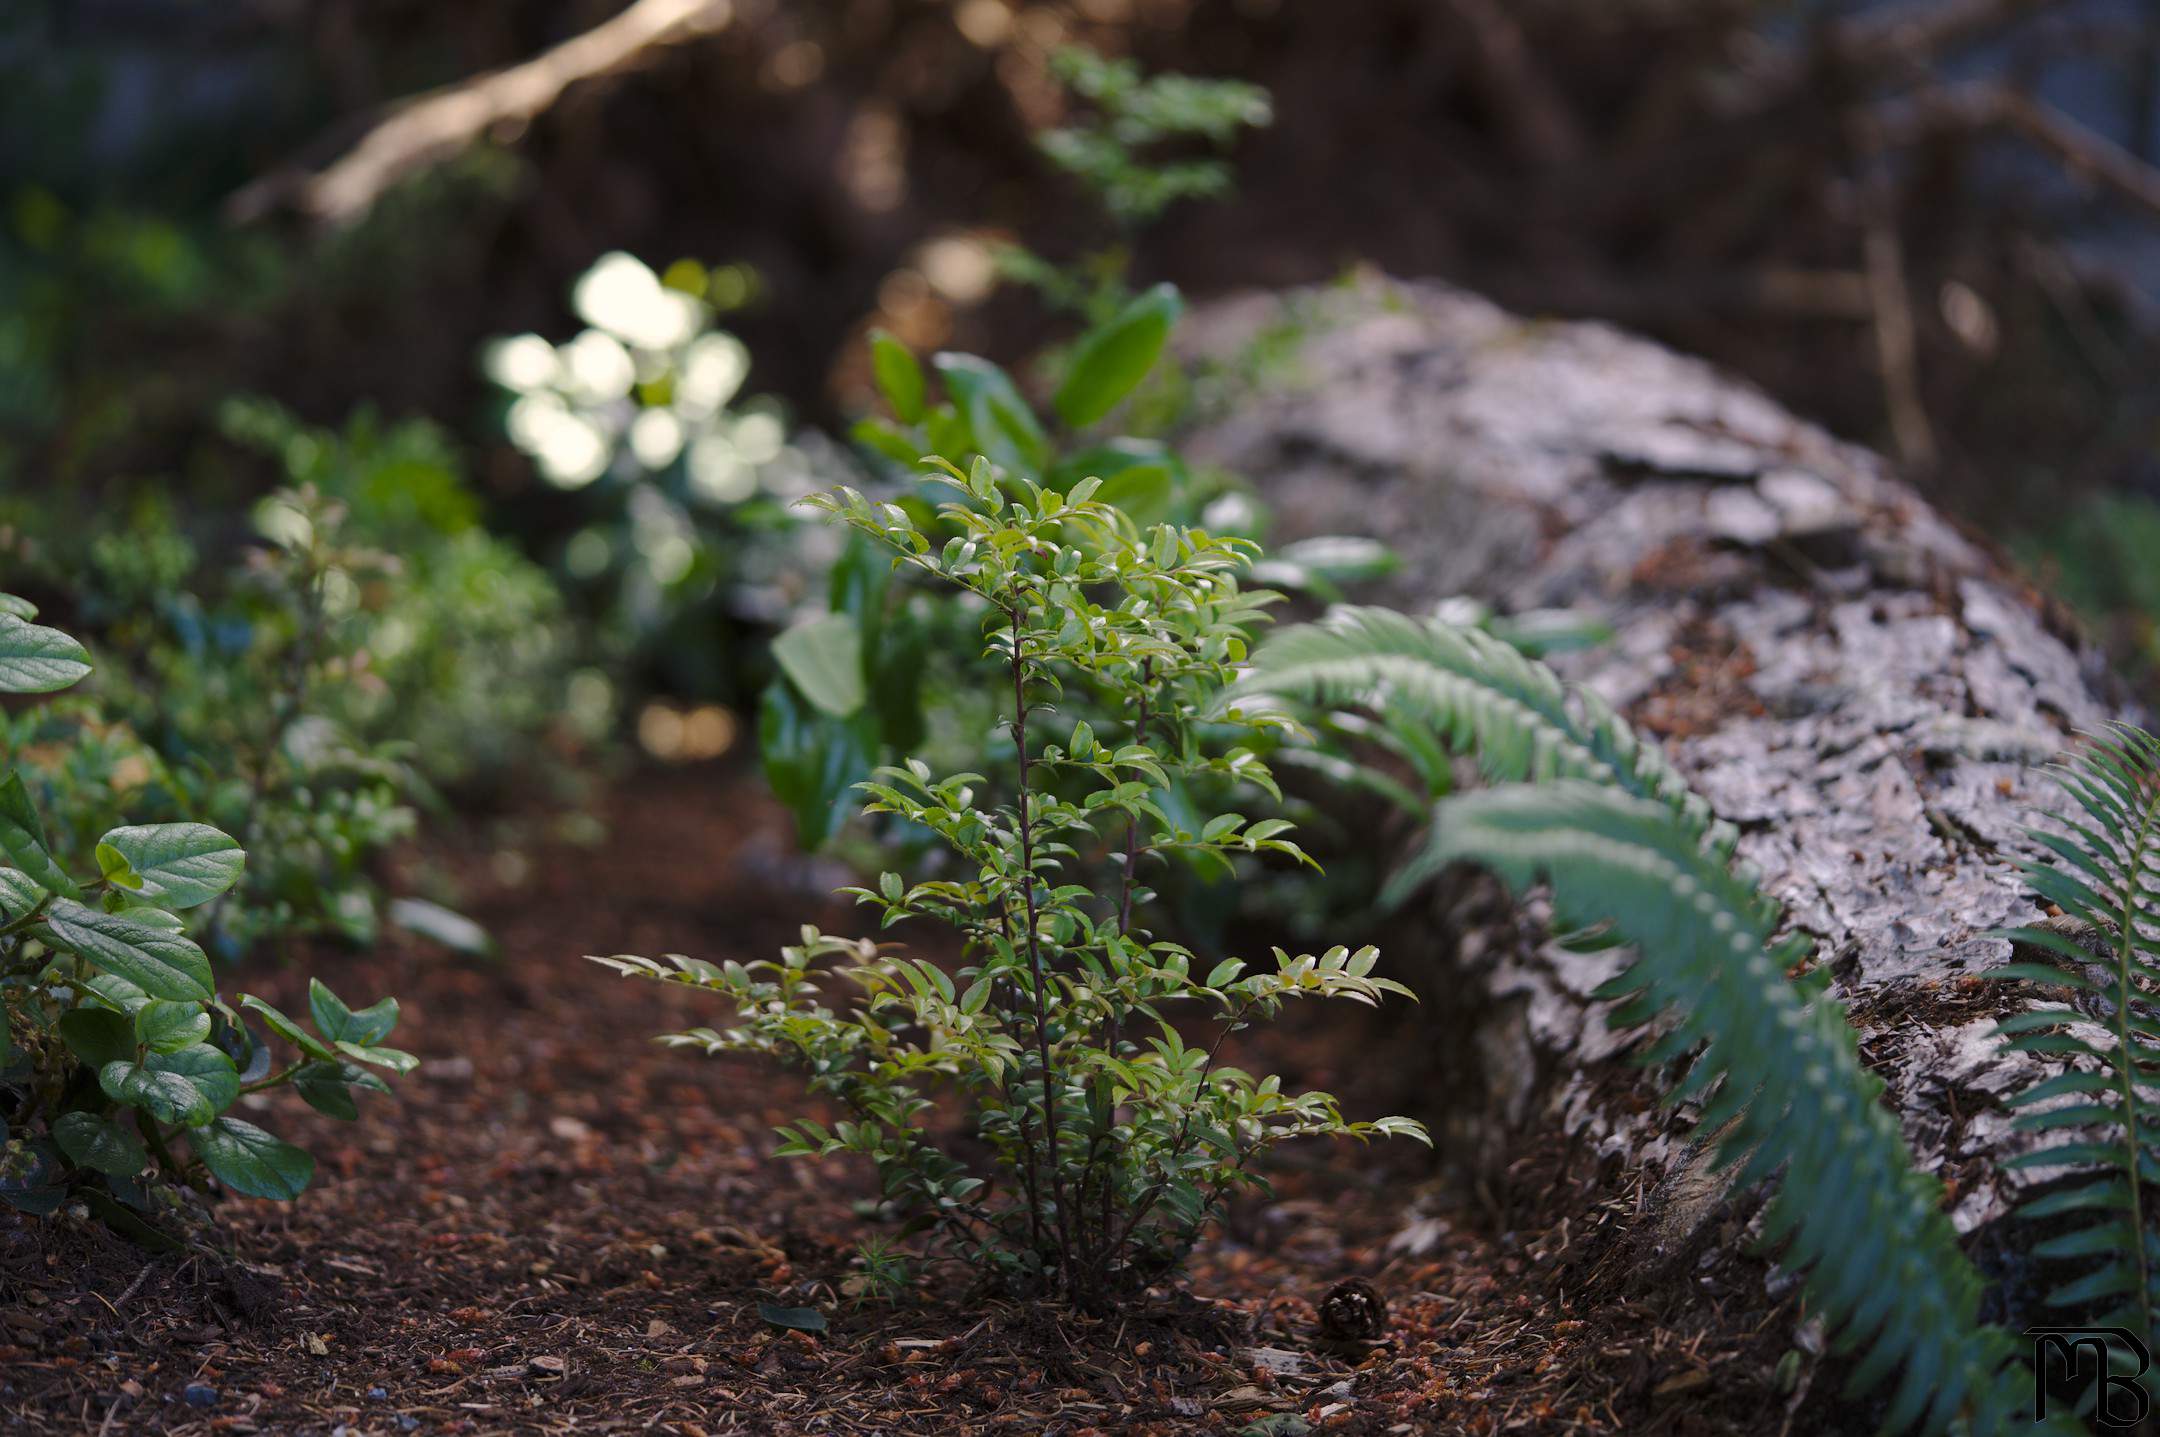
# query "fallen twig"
(426, 129)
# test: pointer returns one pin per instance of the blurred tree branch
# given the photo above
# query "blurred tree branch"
(427, 129)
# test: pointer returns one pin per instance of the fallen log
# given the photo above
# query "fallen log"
(1864, 690)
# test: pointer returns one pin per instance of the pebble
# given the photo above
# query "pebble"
(200, 1394)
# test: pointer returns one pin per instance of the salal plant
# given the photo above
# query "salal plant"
(119, 1062)
(1103, 1126)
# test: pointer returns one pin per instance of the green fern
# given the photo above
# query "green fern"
(1479, 696)
(1780, 1077)
(2103, 1114)
(1633, 853)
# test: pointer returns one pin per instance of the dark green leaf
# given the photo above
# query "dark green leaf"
(251, 1161)
(162, 964)
(98, 1036)
(99, 1142)
(22, 839)
(341, 1024)
(191, 1086)
(168, 1027)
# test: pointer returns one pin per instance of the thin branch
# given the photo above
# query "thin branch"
(1981, 106)
(428, 129)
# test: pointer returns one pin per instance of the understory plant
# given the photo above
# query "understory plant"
(1771, 1064)
(2099, 1117)
(119, 1063)
(1108, 1136)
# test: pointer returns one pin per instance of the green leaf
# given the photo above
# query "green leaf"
(290, 1031)
(251, 1161)
(163, 965)
(22, 839)
(114, 868)
(899, 377)
(98, 1036)
(191, 1086)
(20, 607)
(1110, 360)
(813, 761)
(1142, 492)
(18, 893)
(397, 1060)
(100, 1143)
(38, 660)
(167, 1027)
(180, 864)
(822, 657)
(1006, 431)
(341, 1024)
(796, 1319)
(446, 926)
(326, 1089)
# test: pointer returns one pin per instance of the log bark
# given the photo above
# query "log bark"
(1866, 691)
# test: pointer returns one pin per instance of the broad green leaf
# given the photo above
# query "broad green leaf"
(99, 1142)
(38, 660)
(1110, 360)
(1006, 431)
(341, 1024)
(18, 893)
(1142, 492)
(98, 1036)
(164, 965)
(823, 658)
(191, 1086)
(324, 1087)
(180, 864)
(20, 607)
(110, 988)
(899, 377)
(167, 1027)
(251, 1161)
(22, 839)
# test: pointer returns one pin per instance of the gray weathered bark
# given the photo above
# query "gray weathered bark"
(1863, 690)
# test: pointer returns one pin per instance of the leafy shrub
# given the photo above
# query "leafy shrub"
(1633, 856)
(2100, 1113)
(1111, 1141)
(116, 1048)
(370, 644)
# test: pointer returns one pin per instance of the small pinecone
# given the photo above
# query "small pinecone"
(1353, 1312)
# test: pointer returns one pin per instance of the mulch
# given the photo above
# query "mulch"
(559, 1226)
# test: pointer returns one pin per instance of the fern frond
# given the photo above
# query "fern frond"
(2104, 1112)
(1785, 1079)
(1481, 697)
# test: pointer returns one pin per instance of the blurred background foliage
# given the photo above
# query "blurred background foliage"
(612, 321)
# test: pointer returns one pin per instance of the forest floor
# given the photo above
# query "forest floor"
(561, 1226)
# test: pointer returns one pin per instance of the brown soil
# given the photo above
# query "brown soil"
(560, 1226)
